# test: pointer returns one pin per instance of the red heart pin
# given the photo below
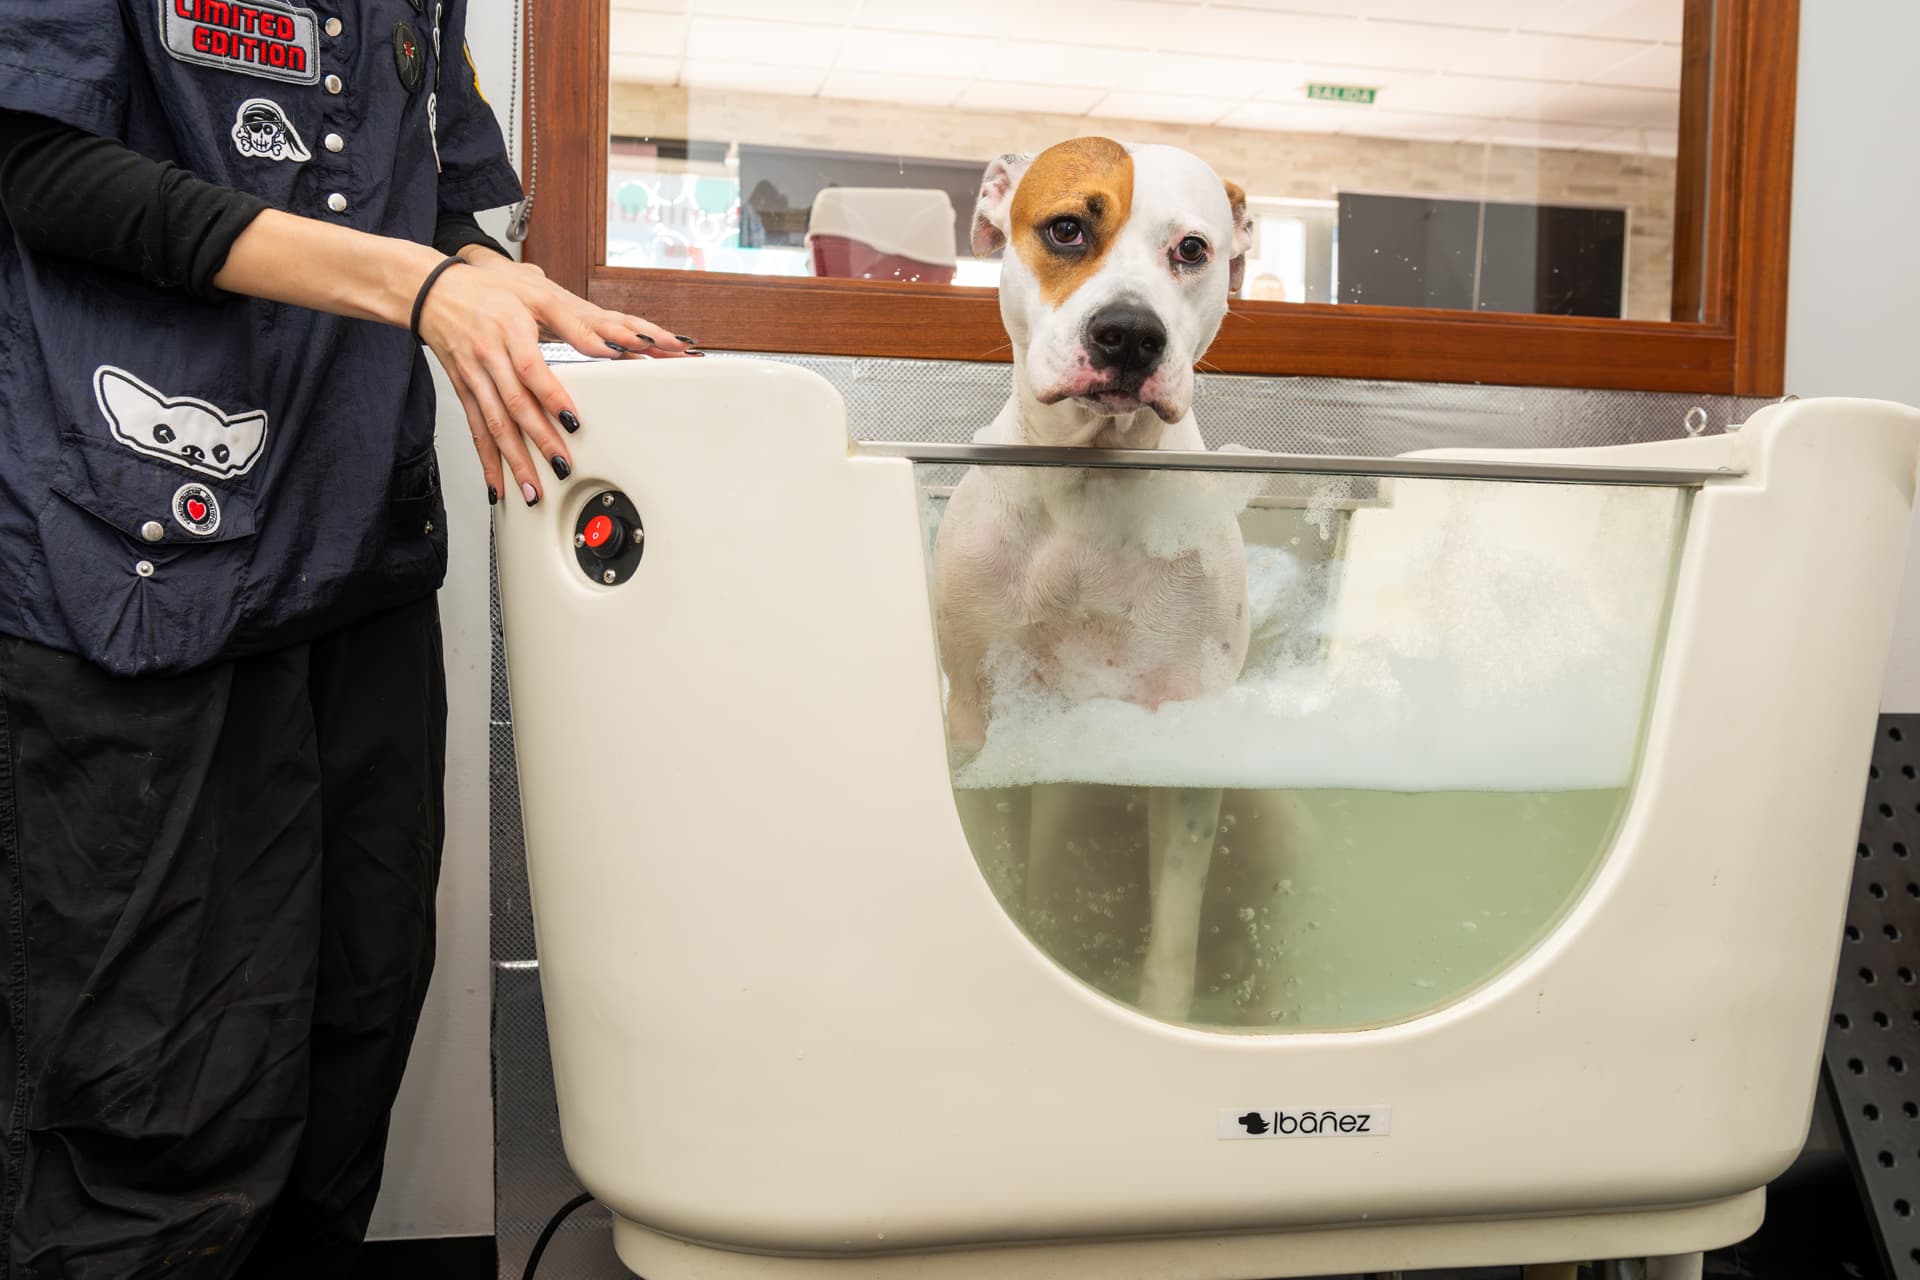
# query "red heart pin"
(196, 510)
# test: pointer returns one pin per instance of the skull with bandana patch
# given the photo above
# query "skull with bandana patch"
(261, 130)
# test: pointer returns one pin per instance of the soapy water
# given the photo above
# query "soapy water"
(1324, 909)
(1467, 635)
(1325, 500)
(1422, 763)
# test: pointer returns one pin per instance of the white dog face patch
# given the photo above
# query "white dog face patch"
(186, 432)
(262, 131)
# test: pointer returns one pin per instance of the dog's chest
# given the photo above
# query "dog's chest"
(1120, 554)
(1066, 577)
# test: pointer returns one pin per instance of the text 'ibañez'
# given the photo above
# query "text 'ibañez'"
(1324, 1122)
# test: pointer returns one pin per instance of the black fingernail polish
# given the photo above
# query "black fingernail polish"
(493, 496)
(681, 337)
(616, 346)
(645, 340)
(560, 467)
(569, 419)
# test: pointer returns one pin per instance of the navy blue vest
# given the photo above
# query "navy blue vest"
(181, 481)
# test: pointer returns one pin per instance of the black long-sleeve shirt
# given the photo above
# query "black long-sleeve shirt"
(68, 192)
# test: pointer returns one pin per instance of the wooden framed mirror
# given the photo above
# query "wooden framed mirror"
(1640, 149)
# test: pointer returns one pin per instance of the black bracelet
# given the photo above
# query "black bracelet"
(420, 299)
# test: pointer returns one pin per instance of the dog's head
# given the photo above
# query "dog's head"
(1118, 265)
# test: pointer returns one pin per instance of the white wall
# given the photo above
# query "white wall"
(439, 1177)
(1853, 327)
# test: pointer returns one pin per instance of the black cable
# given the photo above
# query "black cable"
(553, 1225)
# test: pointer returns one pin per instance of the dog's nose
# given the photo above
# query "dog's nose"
(1125, 337)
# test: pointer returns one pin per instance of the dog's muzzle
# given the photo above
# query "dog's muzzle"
(1126, 348)
(1126, 341)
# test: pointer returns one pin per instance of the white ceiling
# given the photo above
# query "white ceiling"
(1585, 74)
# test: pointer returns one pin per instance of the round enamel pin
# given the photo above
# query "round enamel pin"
(408, 58)
(196, 509)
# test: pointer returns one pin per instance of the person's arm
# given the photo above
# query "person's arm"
(78, 195)
(68, 192)
(458, 234)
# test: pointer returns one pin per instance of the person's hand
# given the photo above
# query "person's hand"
(485, 321)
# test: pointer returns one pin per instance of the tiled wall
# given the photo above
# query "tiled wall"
(1287, 165)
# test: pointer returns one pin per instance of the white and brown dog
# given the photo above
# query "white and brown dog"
(1109, 583)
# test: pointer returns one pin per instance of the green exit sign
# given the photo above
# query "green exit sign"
(1340, 93)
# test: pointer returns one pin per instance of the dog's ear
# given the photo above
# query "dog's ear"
(1242, 236)
(996, 197)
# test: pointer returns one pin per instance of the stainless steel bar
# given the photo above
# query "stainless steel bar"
(1259, 502)
(998, 455)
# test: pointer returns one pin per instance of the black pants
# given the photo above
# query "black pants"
(218, 930)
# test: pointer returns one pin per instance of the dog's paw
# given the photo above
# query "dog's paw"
(1239, 488)
(966, 730)
(1165, 997)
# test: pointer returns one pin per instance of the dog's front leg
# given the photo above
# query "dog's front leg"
(1181, 822)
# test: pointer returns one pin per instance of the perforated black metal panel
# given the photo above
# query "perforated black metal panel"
(1873, 1041)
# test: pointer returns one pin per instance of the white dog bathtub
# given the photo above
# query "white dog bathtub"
(1540, 794)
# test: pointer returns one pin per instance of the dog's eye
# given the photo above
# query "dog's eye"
(1065, 233)
(1192, 250)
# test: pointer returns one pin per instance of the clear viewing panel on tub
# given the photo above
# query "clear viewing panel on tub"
(1418, 766)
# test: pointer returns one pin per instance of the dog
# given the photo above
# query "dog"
(1119, 261)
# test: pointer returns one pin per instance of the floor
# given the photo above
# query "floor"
(468, 1258)
(1815, 1230)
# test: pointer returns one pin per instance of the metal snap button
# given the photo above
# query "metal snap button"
(334, 142)
(333, 26)
(337, 202)
(333, 84)
(153, 531)
(144, 568)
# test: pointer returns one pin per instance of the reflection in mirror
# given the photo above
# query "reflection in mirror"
(1491, 155)
(1276, 753)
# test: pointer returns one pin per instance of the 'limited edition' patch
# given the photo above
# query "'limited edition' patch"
(258, 38)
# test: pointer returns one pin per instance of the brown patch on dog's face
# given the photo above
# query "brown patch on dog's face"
(1088, 180)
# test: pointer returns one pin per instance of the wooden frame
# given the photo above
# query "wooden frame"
(1731, 230)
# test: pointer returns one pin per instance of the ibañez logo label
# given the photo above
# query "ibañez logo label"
(1308, 1122)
